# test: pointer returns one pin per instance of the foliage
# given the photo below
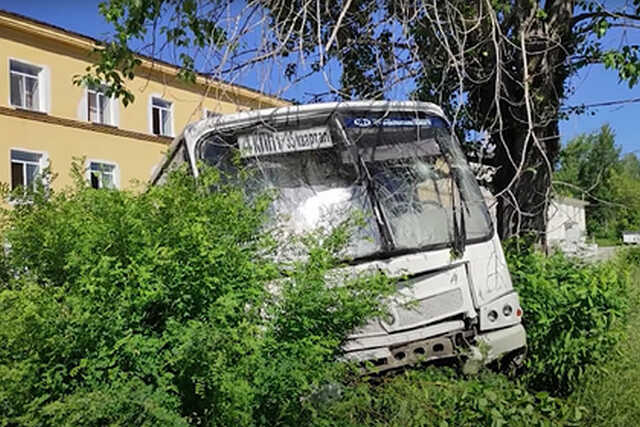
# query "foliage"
(190, 25)
(606, 242)
(630, 256)
(152, 308)
(625, 192)
(586, 163)
(502, 68)
(440, 397)
(591, 167)
(612, 393)
(165, 308)
(573, 314)
(188, 31)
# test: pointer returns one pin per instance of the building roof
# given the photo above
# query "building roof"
(13, 20)
(570, 201)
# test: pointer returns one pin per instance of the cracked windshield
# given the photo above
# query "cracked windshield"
(410, 189)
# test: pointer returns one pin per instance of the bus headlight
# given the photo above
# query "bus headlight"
(507, 310)
(502, 312)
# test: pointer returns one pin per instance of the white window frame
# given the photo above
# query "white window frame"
(42, 164)
(111, 105)
(42, 84)
(116, 171)
(170, 110)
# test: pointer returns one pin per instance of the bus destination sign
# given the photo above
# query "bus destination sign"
(265, 142)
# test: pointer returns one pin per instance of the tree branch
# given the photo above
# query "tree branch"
(603, 14)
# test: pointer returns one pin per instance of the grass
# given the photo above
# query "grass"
(612, 395)
(606, 241)
(438, 396)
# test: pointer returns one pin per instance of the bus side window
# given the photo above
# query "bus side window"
(219, 153)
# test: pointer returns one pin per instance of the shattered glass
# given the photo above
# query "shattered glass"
(411, 184)
(313, 189)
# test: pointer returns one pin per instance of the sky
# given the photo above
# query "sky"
(592, 85)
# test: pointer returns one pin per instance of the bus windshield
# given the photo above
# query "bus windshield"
(408, 183)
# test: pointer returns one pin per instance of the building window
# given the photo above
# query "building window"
(103, 175)
(99, 106)
(25, 168)
(161, 117)
(26, 85)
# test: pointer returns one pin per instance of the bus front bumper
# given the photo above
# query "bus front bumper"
(482, 349)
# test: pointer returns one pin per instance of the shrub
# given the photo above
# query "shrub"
(440, 397)
(152, 308)
(573, 314)
(630, 256)
(612, 394)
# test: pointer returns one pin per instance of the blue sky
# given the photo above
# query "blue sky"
(593, 85)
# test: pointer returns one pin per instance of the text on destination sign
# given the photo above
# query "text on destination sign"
(265, 142)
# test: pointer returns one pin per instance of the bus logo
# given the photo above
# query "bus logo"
(362, 122)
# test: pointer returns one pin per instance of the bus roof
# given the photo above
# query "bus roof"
(194, 131)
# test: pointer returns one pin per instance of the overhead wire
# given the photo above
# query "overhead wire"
(601, 104)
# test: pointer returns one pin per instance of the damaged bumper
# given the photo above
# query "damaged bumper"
(435, 315)
(435, 342)
(406, 348)
(502, 341)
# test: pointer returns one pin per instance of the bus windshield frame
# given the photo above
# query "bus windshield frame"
(404, 173)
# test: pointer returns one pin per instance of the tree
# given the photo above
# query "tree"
(586, 169)
(626, 192)
(590, 167)
(498, 67)
(631, 165)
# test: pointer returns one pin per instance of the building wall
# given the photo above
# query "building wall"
(66, 99)
(135, 157)
(564, 218)
(63, 130)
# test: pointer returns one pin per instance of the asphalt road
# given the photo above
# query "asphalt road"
(605, 253)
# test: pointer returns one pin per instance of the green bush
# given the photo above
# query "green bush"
(440, 397)
(612, 393)
(167, 308)
(152, 308)
(630, 256)
(573, 314)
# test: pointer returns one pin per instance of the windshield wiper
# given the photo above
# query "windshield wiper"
(459, 229)
(381, 218)
(459, 226)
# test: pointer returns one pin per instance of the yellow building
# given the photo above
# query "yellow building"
(45, 120)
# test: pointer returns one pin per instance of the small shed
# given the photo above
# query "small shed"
(566, 222)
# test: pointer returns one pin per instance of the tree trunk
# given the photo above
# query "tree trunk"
(526, 186)
(525, 194)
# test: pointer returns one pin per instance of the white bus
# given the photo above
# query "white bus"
(425, 218)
